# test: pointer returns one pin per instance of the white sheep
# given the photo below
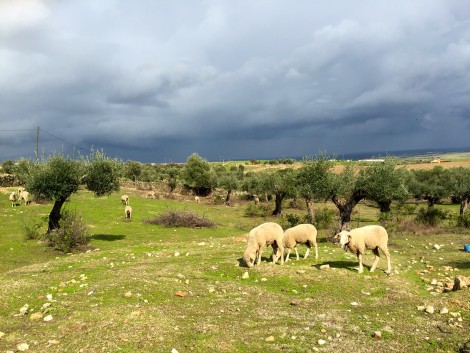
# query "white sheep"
(256, 200)
(372, 237)
(128, 212)
(24, 195)
(301, 234)
(13, 198)
(259, 238)
(197, 199)
(125, 200)
(151, 194)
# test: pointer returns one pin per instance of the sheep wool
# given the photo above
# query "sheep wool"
(301, 234)
(259, 238)
(372, 237)
(125, 200)
(128, 212)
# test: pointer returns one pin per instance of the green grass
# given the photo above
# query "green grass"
(118, 295)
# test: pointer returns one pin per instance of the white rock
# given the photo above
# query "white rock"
(437, 246)
(24, 309)
(444, 311)
(430, 309)
(48, 318)
(321, 342)
(324, 267)
(174, 350)
(245, 275)
(22, 347)
(2, 334)
(269, 339)
(354, 303)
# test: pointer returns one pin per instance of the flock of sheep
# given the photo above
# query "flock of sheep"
(18, 196)
(372, 237)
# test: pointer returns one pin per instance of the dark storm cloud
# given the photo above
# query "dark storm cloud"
(157, 81)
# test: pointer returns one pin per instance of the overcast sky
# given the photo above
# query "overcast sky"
(155, 81)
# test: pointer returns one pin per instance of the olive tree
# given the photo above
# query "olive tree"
(347, 189)
(385, 183)
(430, 185)
(459, 186)
(58, 177)
(198, 176)
(314, 182)
(281, 184)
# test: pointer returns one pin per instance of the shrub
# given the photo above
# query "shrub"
(291, 220)
(257, 211)
(181, 219)
(409, 209)
(324, 218)
(72, 232)
(464, 220)
(32, 230)
(431, 216)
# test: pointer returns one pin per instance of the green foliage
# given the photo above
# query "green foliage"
(32, 230)
(132, 170)
(324, 218)
(431, 185)
(256, 211)
(291, 220)
(72, 232)
(314, 179)
(464, 220)
(8, 167)
(102, 175)
(55, 178)
(431, 216)
(197, 175)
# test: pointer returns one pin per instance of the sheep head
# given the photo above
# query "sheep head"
(249, 257)
(344, 237)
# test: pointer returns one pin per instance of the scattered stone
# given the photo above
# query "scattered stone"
(321, 342)
(53, 341)
(181, 294)
(437, 246)
(295, 302)
(24, 309)
(174, 350)
(36, 316)
(459, 283)
(269, 339)
(421, 307)
(354, 303)
(22, 347)
(177, 253)
(444, 311)
(48, 318)
(264, 279)
(324, 267)
(2, 334)
(300, 271)
(245, 275)
(430, 309)
(377, 335)
(128, 294)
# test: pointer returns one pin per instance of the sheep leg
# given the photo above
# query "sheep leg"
(281, 248)
(296, 253)
(387, 255)
(288, 254)
(307, 253)
(376, 259)
(361, 268)
(260, 252)
(316, 251)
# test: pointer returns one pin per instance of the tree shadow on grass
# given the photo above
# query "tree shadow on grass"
(108, 237)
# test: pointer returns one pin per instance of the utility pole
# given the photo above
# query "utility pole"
(37, 143)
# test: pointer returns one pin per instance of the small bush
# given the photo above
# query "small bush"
(257, 211)
(291, 220)
(464, 220)
(181, 219)
(431, 216)
(324, 218)
(72, 232)
(32, 230)
(409, 209)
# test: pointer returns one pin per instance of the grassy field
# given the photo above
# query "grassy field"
(120, 295)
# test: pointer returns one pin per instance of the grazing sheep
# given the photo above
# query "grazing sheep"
(197, 199)
(13, 198)
(128, 212)
(151, 195)
(24, 195)
(300, 234)
(259, 238)
(20, 189)
(256, 199)
(125, 200)
(371, 237)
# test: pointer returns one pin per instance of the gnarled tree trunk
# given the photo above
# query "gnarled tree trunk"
(54, 216)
